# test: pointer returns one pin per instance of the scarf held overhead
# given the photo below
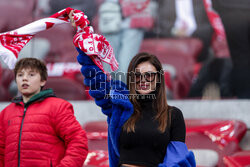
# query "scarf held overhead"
(97, 47)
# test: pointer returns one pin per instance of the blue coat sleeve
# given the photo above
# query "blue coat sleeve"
(177, 155)
(97, 82)
(112, 97)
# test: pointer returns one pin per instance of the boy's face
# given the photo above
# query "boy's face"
(29, 82)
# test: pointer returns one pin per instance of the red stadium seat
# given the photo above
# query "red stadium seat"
(96, 126)
(6, 77)
(180, 53)
(238, 159)
(79, 78)
(221, 136)
(66, 88)
(3, 93)
(2, 89)
(3, 25)
(16, 13)
(97, 158)
(97, 135)
(1, 70)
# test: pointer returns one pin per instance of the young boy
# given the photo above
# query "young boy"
(38, 129)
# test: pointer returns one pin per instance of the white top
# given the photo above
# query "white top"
(185, 21)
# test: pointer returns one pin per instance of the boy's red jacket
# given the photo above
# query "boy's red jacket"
(42, 133)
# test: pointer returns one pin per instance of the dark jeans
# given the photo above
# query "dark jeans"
(216, 70)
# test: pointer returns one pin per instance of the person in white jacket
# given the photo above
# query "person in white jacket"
(123, 23)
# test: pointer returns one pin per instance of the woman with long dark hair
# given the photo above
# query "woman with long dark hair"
(144, 131)
(146, 80)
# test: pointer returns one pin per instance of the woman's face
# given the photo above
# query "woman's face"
(145, 78)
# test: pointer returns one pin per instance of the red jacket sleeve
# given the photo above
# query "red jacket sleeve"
(2, 144)
(69, 129)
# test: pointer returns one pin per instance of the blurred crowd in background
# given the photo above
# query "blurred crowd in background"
(198, 61)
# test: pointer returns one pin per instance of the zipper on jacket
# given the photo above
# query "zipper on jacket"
(20, 135)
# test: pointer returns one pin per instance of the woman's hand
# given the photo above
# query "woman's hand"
(71, 17)
(78, 19)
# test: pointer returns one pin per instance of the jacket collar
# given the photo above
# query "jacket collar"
(37, 97)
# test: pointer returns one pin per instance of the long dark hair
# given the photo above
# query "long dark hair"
(160, 103)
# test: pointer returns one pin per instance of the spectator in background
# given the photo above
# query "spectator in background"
(216, 71)
(89, 7)
(235, 15)
(43, 7)
(123, 23)
(185, 18)
(197, 19)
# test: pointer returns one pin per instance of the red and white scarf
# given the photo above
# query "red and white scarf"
(215, 20)
(97, 47)
(12, 42)
(219, 36)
